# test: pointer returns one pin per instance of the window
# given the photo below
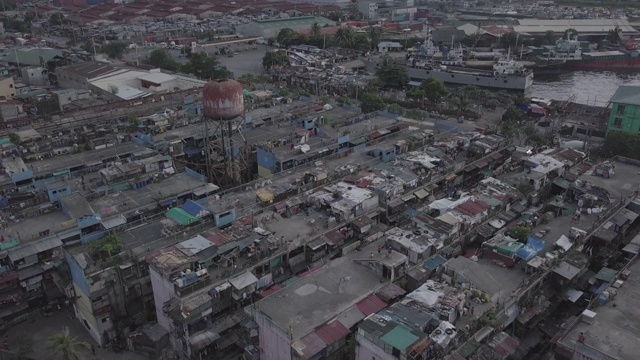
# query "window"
(620, 109)
(11, 86)
(104, 320)
(617, 123)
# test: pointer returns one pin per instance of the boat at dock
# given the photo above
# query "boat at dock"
(507, 74)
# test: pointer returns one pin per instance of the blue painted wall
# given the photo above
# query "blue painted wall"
(77, 274)
(55, 194)
(23, 175)
(266, 159)
(225, 220)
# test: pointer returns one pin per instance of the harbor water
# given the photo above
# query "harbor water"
(592, 88)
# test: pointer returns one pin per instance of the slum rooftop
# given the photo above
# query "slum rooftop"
(611, 328)
(325, 294)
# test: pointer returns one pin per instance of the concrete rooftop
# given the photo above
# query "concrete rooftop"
(614, 330)
(321, 296)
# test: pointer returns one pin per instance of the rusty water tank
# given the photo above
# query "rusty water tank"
(223, 99)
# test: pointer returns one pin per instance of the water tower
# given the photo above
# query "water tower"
(226, 148)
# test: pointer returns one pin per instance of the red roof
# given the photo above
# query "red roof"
(472, 207)
(364, 183)
(334, 237)
(371, 305)
(332, 332)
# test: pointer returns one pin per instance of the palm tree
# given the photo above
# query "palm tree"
(375, 35)
(315, 31)
(67, 347)
(345, 37)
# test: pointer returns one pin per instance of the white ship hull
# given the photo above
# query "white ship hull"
(480, 78)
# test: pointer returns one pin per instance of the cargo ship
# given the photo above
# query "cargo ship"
(577, 56)
(507, 74)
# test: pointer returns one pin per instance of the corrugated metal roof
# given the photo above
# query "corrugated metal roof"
(309, 345)
(34, 247)
(504, 344)
(332, 332)
(371, 304)
(390, 292)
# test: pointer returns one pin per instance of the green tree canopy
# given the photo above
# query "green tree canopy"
(510, 119)
(509, 39)
(274, 59)
(345, 37)
(370, 102)
(287, 37)
(620, 143)
(114, 50)
(433, 89)
(67, 347)
(520, 233)
(205, 67)
(392, 75)
(161, 59)
(56, 19)
(375, 35)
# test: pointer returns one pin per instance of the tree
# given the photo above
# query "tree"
(286, 36)
(620, 143)
(549, 37)
(371, 102)
(345, 37)
(534, 136)
(15, 138)
(274, 59)
(510, 122)
(205, 67)
(335, 16)
(111, 245)
(353, 9)
(56, 19)
(22, 345)
(392, 75)
(509, 39)
(520, 233)
(316, 31)
(375, 35)
(361, 42)
(433, 89)
(395, 109)
(114, 50)
(161, 59)
(66, 347)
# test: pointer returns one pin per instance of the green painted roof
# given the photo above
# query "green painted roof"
(627, 94)
(181, 217)
(293, 23)
(400, 338)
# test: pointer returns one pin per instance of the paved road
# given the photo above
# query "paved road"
(41, 329)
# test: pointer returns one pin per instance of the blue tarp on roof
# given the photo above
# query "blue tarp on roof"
(534, 245)
(433, 262)
(194, 209)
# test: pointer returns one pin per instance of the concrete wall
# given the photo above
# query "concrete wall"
(77, 274)
(7, 88)
(84, 312)
(162, 292)
(365, 350)
(275, 344)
